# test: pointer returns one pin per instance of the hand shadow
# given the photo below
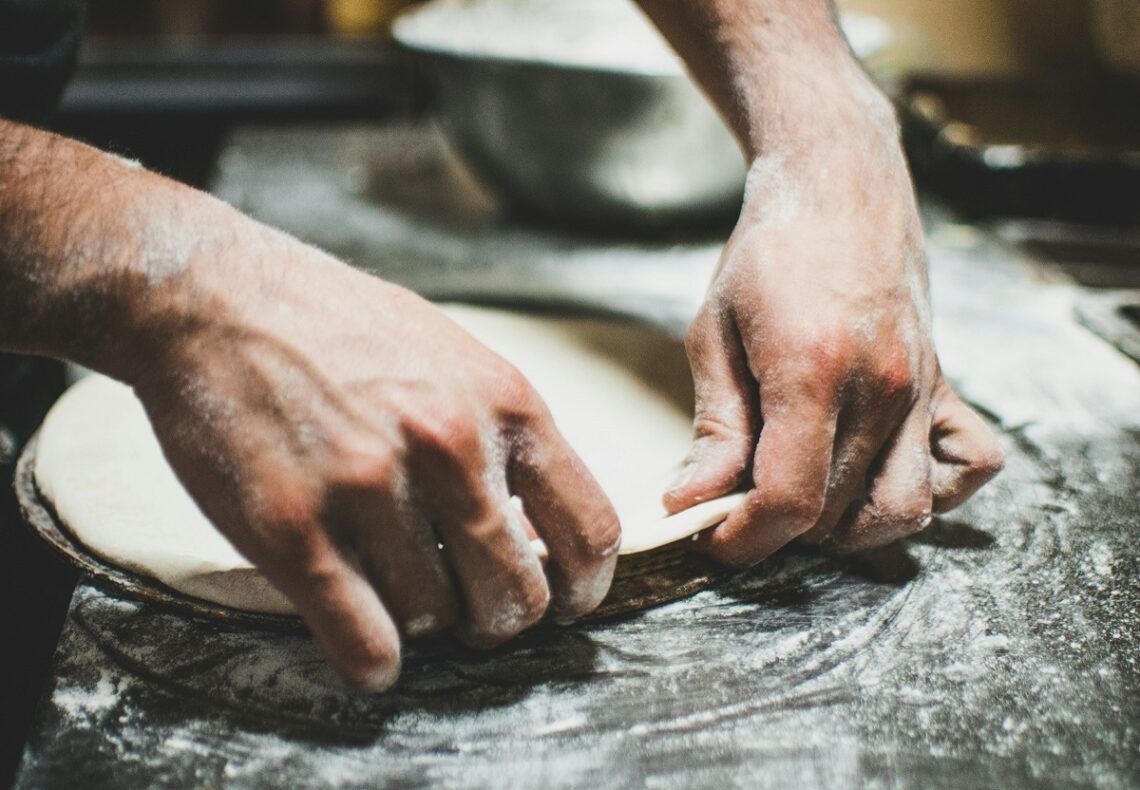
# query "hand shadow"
(179, 667)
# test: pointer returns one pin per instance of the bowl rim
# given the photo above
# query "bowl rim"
(404, 34)
(879, 39)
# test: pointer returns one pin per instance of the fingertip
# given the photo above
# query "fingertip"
(367, 658)
(380, 678)
(566, 507)
(508, 615)
(349, 623)
(579, 571)
(869, 534)
(700, 488)
(581, 595)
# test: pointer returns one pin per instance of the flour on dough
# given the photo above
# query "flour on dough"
(619, 392)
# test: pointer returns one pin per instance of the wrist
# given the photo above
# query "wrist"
(196, 289)
(842, 153)
(817, 103)
(88, 244)
(153, 274)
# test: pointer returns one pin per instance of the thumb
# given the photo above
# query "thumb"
(725, 423)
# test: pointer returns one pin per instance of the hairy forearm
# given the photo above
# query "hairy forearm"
(780, 71)
(86, 241)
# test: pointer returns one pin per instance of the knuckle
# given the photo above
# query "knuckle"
(287, 527)
(707, 425)
(447, 433)
(513, 387)
(318, 574)
(827, 350)
(894, 376)
(520, 406)
(365, 470)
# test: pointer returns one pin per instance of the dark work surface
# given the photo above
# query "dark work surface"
(998, 648)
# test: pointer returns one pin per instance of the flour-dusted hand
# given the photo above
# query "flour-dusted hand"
(350, 440)
(339, 429)
(818, 387)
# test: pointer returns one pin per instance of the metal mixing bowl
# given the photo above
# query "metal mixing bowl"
(613, 135)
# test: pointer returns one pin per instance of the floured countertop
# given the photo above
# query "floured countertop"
(998, 648)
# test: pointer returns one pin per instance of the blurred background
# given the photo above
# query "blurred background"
(1013, 107)
(949, 36)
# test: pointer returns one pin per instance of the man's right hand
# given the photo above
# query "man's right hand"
(354, 443)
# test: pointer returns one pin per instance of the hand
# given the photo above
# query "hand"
(816, 377)
(339, 430)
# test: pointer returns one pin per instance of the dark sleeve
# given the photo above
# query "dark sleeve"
(38, 42)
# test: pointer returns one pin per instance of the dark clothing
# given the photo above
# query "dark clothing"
(38, 42)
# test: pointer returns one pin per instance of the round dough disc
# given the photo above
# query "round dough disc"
(620, 392)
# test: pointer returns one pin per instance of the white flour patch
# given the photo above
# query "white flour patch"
(78, 702)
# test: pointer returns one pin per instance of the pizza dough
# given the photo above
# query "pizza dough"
(619, 392)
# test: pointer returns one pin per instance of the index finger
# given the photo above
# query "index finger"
(572, 515)
(338, 604)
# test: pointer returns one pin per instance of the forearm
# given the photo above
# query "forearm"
(87, 240)
(780, 71)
